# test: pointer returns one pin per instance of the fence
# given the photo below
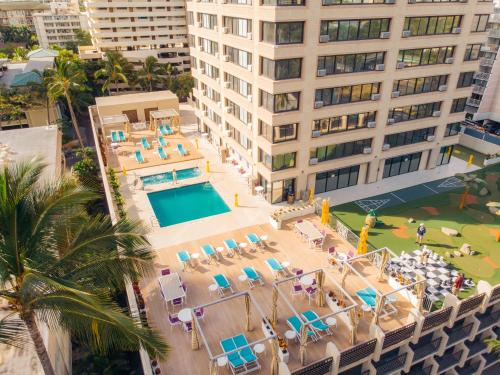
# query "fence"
(346, 233)
(482, 135)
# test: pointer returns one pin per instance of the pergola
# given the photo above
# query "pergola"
(163, 117)
(115, 122)
(248, 302)
(348, 313)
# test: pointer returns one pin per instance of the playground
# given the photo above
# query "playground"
(436, 204)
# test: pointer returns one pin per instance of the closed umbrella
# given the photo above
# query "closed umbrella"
(311, 195)
(320, 296)
(247, 310)
(420, 289)
(195, 342)
(383, 263)
(275, 360)
(354, 319)
(378, 308)
(325, 212)
(303, 343)
(214, 368)
(274, 316)
(345, 272)
(363, 237)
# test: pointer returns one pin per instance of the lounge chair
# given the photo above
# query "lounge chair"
(169, 129)
(318, 326)
(121, 135)
(181, 150)
(145, 144)
(252, 276)
(114, 137)
(138, 157)
(296, 325)
(222, 283)
(210, 253)
(162, 142)
(253, 239)
(246, 353)
(161, 153)
(275, 267)
(232, 246)
(235, 361)
(163, 131)
(184, 258)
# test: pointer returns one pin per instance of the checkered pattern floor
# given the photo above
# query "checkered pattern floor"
(438, 273)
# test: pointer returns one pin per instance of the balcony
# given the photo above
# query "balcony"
(468, 369)
(486, 62)
(488, 319)
(420, 369)
(473, 102)
(448, 360)
(476, 346)
(491, 358)
(481, 75)
(479, 90)
(390, 362)
(456, 334)
(424, 348)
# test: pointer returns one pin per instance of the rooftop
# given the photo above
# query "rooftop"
(140, 97)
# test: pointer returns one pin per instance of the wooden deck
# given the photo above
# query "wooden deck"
(228, 319)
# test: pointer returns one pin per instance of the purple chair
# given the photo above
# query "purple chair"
(199, 313)
(310, 291)
(188, 327)
(184, 286)
(165, 271)
(177, 302)
(298, 272)
(296, 289)
(173, 319)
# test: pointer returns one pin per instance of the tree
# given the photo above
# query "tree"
(58, 265)
(149, 73)
(112, 71)
(86, 168)
(494, 345)
(183, 85)
(16, 34)
(20, 54)
(67, 80)
(83, 37)
(39, 93)
(471, 183)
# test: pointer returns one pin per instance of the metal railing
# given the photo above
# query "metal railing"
(391, 364)
(399, 335)
(436, 318)
(473, 102)
(486, 62)
(478, 89)
(481, 75)
(458, 333)
(470, 304)
(448, 360)
(346, 233)
(426, 349)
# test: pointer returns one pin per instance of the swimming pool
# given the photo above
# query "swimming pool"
(161, 178)
(174, 206)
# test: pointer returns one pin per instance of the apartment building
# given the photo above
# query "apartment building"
(329, 94)
(20, 12)
(140, 29)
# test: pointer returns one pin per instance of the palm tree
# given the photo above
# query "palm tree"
(149, 72)
(169, 72)
(20, 54)
(494, 345)
(40, 92)
(58, 265)
(471, 183)
(112, 71)
(66, 80)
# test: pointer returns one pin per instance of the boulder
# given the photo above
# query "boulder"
(448, 255)
(466, 249)
(483, 192)
(449, 232)
(411, 220)
(457, 253)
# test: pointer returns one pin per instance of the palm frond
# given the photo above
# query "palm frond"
(13, 332)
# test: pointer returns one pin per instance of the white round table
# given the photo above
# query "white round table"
(219, 250)
(184, 315)
(259, 348)
(285, 264)
(195, 257)
(222, 361)
(290, 335)
(212, 288)
(264, 237)
(307, 280)
(243, 245)
(242, 278)
(331, 321)
(259, 190)
(365, 308)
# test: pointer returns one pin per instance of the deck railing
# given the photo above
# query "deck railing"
(390, 365)
(357, 353)
(436, 318)
(399, 335)
(470, 304)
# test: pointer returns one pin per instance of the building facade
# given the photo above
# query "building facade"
(140, 29)
(328, 94)
(20, 12)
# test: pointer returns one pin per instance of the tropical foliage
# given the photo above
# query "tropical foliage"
(472, 183)
(114, 71)
(16, 34)
(59, 266)
(149, 73)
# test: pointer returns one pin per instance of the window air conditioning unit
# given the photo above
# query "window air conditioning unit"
(391, 121)
(380, 67)
(431, 138)
(313, 161)
(443, 88)
(376, 96)
(449, 60)
(395, 94)
(225, 58)
(400, 65)
(436, 113)
(390, 1)
(318, 104)
(412, 1)
(406, 33)
(224, 30)
(371, 124)
(200, 48)
(227, 84)
(249, 35)
(198, 24)
(386, 146)
(456, 30)
(367, 150)
(324, 38)
(385, 35)
(227, 109)
(249, 68)
(249, 98)
(316, 134)
(321, 72)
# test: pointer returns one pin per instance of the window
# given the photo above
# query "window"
(239, 137)
(210, 70)
(444, 155)
(209, 46)
(409, 138)
(280, 102)
(283, 32)
(413, 112)
(347, 94)
(480, 22)
(340, 30)
(360, 62)
(458, 105)
(350, 2)
(281, 189)
(212, 94)
(240, 113)
(434, 1)
(341, 150)
(452, 129)
(277, 162)
(331, 125)
(419, 85)
(434, 25)
(238, 26)
(336, 179)
(425, 56)
(238, 56)
(278, 133)
(281, 69)
(465, 79)
(283, 2)
(402, 164)
(208, 21)
(212, 115)
(238, 85)
(472, 52)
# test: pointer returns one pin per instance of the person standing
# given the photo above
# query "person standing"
(420, 234)
(457, 284)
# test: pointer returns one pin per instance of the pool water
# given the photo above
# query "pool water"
(174, 206)
(161, 178)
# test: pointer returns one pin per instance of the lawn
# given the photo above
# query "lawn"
(475, 224)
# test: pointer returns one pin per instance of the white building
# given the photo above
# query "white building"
(19, 12)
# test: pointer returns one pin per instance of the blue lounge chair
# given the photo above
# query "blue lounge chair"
(235, 360)
(210, 253)
(275, 267)
(252, 276)
(145, 144)
(161, 153)
(318, 326)
(114, 137)
(181, 150)
(163, 131)
(121, 135)
(254, 240)
(162, 142)
(222, 283)
(246, 353)
(232, 246)
(368, 296)
(184, 258)
(138, 157)
(169, 129)
(296, 325)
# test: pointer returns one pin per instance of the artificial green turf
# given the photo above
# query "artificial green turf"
(475, 224)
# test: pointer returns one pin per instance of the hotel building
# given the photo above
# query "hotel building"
(328, 94)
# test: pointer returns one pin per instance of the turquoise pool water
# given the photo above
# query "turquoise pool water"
(160, 178)
(174, 206)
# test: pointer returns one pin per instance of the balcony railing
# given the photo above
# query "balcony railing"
(420, 371)
(437, 318)
(490, 358)
(478, 89)
(473, 302)
(448, 360)
(399, 335)
(390, 364)
(458, 333)
(468, 370)
(473, 102)
(423, 350)
(476, 346)
(481, 75)
(488, 319)
(359, 352)
(486, 62)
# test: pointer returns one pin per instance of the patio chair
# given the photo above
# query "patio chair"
(162, 142)
(320, 327)
(184, 258)
(199, 313)
(121, 136)
(235, 361)
(138, 156)
(252, 276)
(222, 283)
(297, 289)
(254, 240)
(311, 292)
(298, 272)
(246, 353)
(350, 254)
(173, 320)
(296, 325)
(188, 326)
(161, 153)
(165, 272)
(114, 137)
(182, 151)
(145, 144)
(275, 267)
(210, 253)
(177, 302)
(232, 246)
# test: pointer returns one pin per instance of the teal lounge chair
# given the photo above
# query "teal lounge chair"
(296, 325)
(184, 258)
(318, 326)
(252, 276)
(368, 296)
(121, 135)
(138, 157)
(236, 362)
(222, 283)
(145, 144)
(210, 253)
(162, 142)
(169, 129)
(254, 240)
(275, 267)
(232, 246)
(161, 153)
(163, 131)
(181, 150)
(246, 353)
(114, 137)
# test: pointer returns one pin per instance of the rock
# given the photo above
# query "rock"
(449, 232)
(411, 220)
(448, 254)
(457, 253)
(483, 192)
(494, 210)
(466, 249)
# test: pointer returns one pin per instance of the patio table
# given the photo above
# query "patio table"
(309, 231)
(184, 315)
(171, 287)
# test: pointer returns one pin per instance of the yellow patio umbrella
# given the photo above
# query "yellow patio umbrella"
(274, 315)
(275, 360)
(320, 296)
(325, 212)
(195, 342)
(363, 238)
(345, 272)
(124, 171)
(354, 319)
(247, 311)
(236, 200)
(379, 303)
(383, 263)
(214, 369)
(207, 166)
(420, 289)
(311, 195)
(303, 343)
